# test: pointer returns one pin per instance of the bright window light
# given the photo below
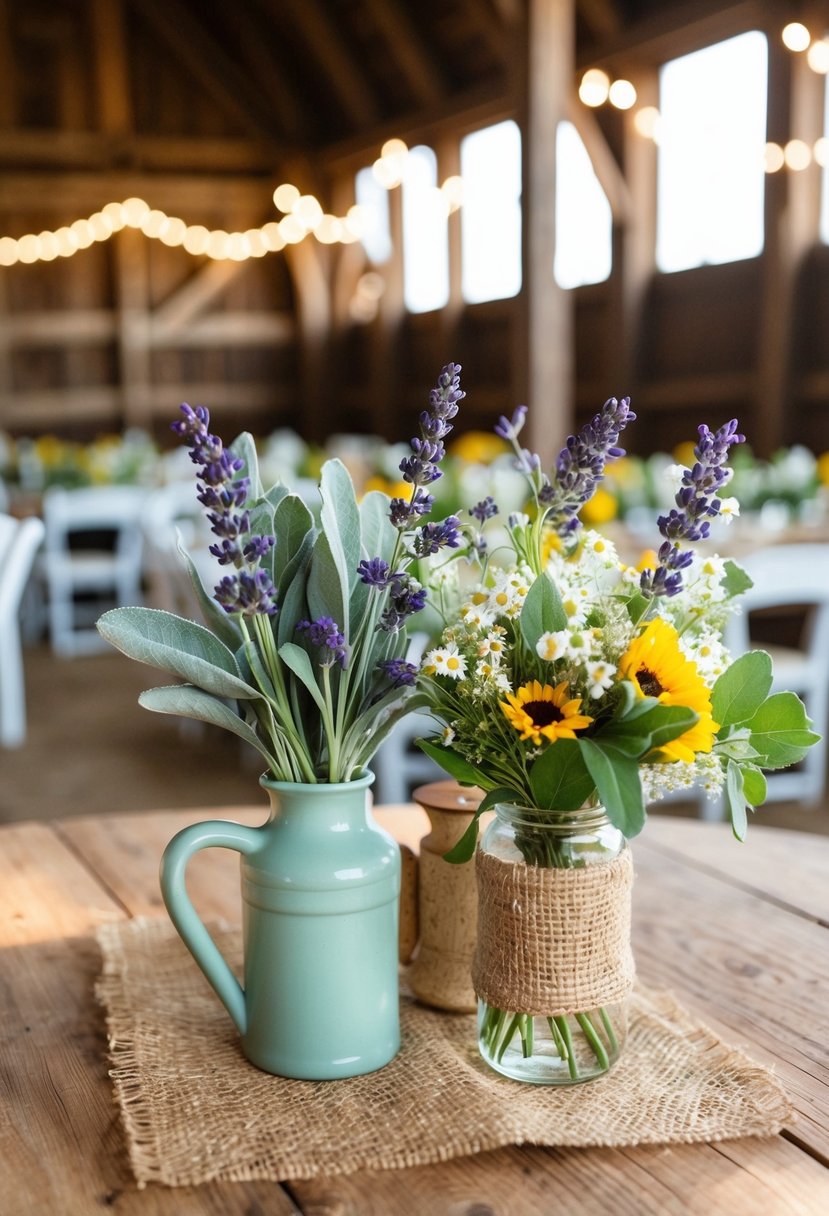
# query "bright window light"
(711, 145)
(376, 237)
(425, 234)
(491, 213)
(583, 218)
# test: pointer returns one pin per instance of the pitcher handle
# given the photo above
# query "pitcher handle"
(215, 833)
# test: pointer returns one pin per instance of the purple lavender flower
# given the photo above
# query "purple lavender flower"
(224, 495)
(325, 633)
(485, 509)
(581, 463)
(376, 573)
(696, 504)
(406, 597)
(433, 537)
(403, 513)
(510, 428)
(421, 468)
(250, 592)
(401, 673)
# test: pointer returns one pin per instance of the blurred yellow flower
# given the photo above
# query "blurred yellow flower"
(600, 509)
(648, 560)
(478, 447)
(823, 468)
(683, 453)
(394, 489)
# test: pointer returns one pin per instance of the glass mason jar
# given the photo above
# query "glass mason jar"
(563, 1048)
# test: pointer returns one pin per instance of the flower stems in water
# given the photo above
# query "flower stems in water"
(585, 1042)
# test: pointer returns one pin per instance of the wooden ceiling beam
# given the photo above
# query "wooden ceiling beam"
(193, 46)
(325, 45)
(605, 166)
(601, 16)
(261, 49)
(408, 50)
(677, 29)
(7, 99)
(70, 195)
(492, 28)
(96, 150)
(112, 82)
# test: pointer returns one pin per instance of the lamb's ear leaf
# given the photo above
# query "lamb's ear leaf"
(299, 662)
(244, 447)
(219, 622)
(187, 701)
(178, 646)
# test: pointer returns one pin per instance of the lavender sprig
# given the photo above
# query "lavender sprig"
(325, 633)
(421, 468)
(250, 591)
(697, 503)
(581, 464)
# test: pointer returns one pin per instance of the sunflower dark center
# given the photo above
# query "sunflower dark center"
(648, 682)
(543, 712)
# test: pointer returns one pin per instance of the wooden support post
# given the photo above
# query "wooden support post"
(7, 75)
(114, 106)
(132, 278)
(544, 356)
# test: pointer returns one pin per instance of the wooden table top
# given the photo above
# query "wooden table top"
(738, 933)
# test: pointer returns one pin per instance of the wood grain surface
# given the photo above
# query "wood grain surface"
(739, 933)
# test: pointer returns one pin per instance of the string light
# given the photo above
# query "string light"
(647, 122)
(622, 94)
(594, 87)
(302, 215)
(773, 158)
(797, 154)
(818, 57)
(795, 36)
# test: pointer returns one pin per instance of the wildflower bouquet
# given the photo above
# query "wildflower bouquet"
(303, 650)
(566, 679)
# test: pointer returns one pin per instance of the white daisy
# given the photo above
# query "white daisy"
(600, 676)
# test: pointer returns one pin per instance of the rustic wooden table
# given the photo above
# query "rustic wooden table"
(739, 933)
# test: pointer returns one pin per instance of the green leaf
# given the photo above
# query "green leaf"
(328, 589)
(636, 607)
(378, 536)
(340, 521)
(742, 688)
(618, 784)
(736, 745)
(648, 730)
(187, 701)
(780, 731)
(181, 647)
(244, 447)
(454, 764)
(542, 611)
(293, 609)
(293, 526)
(755, 786)
(299, 662)
(559, 779)
(465, 847)
(736, 581)
(366, 733)
(218, 621)
(735, 800)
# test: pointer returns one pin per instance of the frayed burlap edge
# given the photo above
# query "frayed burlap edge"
(195, 1111)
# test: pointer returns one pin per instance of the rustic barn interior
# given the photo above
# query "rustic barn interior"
(145, 262)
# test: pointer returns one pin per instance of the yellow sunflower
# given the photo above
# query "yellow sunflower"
(540, 711)
(656, 667)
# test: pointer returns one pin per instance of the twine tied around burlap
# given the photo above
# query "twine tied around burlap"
(552, 941)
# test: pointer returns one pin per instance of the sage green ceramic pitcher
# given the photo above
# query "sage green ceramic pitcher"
(320, 887)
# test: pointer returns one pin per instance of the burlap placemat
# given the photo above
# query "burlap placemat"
(194, 1109)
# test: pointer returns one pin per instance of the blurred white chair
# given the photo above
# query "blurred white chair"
(93, 549)
(789, 576)
(398, 765)
(19, 541)
(170, 513)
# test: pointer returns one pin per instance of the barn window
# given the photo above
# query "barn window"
(711, 142)
(425, 234)
(583, 218)
(491, 213)
(376, 233)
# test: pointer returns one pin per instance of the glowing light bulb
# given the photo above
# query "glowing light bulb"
(594, 87)
(622, 95)
(387, 173)
(83, 231)
(817, 57)
(308, 211)
(371, 285)
(114, 212)
(773, 158)
(256, 243)
(795, 36)
(196, 239)
(100, 226)
(798, 155)
(48, 246)
(134, 211)
(28, 248)
(647, 122)
(285, 196)
(8, 251)
(154, 223)
(356, 219)
(329, 230)
(394, 148)
(293, 230)
(273, 238)
(821, 152)
(173, 232)
(452, 190)
(67, 242)
(238, 248)
(217, 244)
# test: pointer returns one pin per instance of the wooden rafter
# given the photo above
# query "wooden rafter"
(97, 150)
(6, 68)
(605, 165)
(327, 48)
(207, 60)
(112, 86)
(491, 26)
(601, 16)
(408, 50)
(260, 45)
